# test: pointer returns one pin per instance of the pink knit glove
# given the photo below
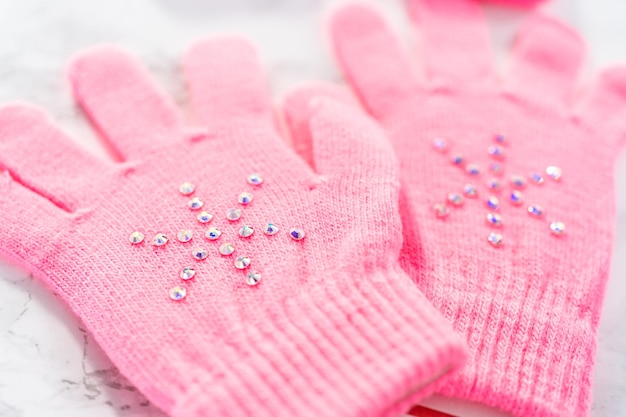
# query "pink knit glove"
(333, 328)
(524, 293)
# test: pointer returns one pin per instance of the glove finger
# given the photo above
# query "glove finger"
(28, 225)
(605, 106)
(227, 82)
(123, 102)
(546, 61)
(346, 144)
(37, 152)
(454, 41)
(298, 112)
(372, 59)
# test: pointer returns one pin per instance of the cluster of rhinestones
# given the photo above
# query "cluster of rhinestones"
(514, 187)
(213, 233)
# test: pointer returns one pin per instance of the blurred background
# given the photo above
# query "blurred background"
(49, 364)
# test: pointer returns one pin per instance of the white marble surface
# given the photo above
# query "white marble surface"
(49, 365)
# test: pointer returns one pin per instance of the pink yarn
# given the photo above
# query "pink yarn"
(528, 309)
(335, 328)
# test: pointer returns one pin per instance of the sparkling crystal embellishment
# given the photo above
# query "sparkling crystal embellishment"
(495, 167)
(186, 188)
(296, 234)
(495, 239)
(493, 185)
(537, 178)
(500, 138)
(160, 239)
(535, 211)
(199, 253)
(494, 219)
(472, 169)
(516, 197)
(458, 160)
(470, 191)
(518, 181)
(233, 214)
(136, 238)
(246, 231)
(242, 262)
(441, 210)
(187, 272)
(557, 228)
(227, 249)
(205, 217)
(253, 278)
(195, 203)
(213, 233)
(178, 293)
(495, 151)
(493, 203)
(185, 235)
(554, 172)
(245, 198)
(255, 179)
(455, 199)
(270, 229)
(440, 144)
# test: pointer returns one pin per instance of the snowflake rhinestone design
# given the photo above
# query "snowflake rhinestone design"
(512, 188)
(199, 251)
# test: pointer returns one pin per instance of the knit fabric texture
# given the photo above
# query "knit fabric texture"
(527, 305)
(334, 328)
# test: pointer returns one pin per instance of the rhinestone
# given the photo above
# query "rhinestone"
(195, 203)
(199, 253)
(233, 214)
(494, 219)
(458, 159)
(245, 198)
(253, 279)
(178, 293)
(205, 217)
(493, 203)
(536, 211)
(472, 169)
(186, 188)
(441, 210)
(455, 199)
(496, 168)
(227, 249)
(495, 239)
(440, 144)
(246, 231)
(270, 229)
(516, 197)
(494, 185)
(242, 262)
(558, 228)
(518, 181)
(495, 151)
(500, 138)
(213, 233)
(470, 191)
(160, 239)
(554, 172)
(187, 272)
(136, 238)
(536, 177)
(296, 234)
(255, 179)
(185, 235)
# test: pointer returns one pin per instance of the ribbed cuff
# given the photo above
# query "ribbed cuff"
(370, 346)
(529, 358)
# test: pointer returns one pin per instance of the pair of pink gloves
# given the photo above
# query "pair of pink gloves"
(495, 213)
